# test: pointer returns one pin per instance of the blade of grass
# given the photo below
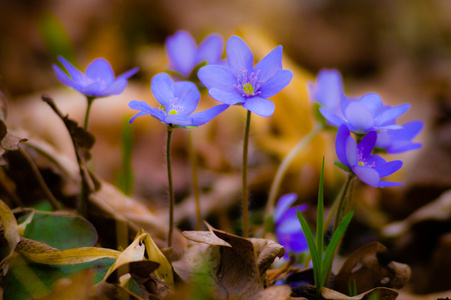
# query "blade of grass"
(312, 248)
(335, 240)
(320, 223)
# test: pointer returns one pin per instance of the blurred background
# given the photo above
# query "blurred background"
(398, 49)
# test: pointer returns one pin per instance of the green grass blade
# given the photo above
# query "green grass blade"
(311, 245)
(320, 223)
(335, 240)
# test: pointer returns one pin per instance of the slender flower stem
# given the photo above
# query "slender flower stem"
(88, 110)
(343, 205)
(171, 186)
(284, 166)
(245, 203)
(193, 161)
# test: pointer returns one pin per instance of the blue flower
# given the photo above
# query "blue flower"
(397, 141)
(327, 89)
(365, 114)
(240, 83)
(98, 80)
(184, 55)
(177, 101)
(367, 167)
(288, 229)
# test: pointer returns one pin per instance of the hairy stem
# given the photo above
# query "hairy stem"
(171, 186)
(90, 99)
(245, 201)
(193, 162)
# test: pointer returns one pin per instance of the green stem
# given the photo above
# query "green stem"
(245, 203)
(284, 166)
(341, 211)
(193, 161)
(171, 186)
(90, 100)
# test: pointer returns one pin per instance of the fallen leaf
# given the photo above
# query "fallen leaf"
(379, 293)
(9, 236)
(75, 288)
(364, 269)
(275, 292)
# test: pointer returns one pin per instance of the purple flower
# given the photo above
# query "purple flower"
(397, 141)
(184, 55)
(98, 80)
(366, 114)
(177, 101)
(369, 168)
(327, 89)
(240, 83)
(288, 229)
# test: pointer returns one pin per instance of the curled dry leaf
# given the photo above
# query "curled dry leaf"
(75, 288)
(9, 236)
(379, 293)
(143, 248)
(44, 254)
(234, 266)
(275, 292)
(365, 269)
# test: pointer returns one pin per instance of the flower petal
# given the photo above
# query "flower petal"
(367, 174)
(63, 77)
(219, 77)
(391, 113)
(100, 69)
(276, 83)
(128, 74)
(210, 50)
(116, 88)
(367, 143)
(283, 204)
(75, 74)
(145, 109)
(332, 118)
(328, 89)
(408, 131)
(359, 116)
(405, 146)
(260, 106)
(205, 116)
(372, 102)
(340, 143)
(187, 97)
(181, 50)
(351, 151)
(387, 183)
(239, 56)
(270, 64)
(162, 87)
(230, 98)
(179, 120)
(91, 90)
(388, 168)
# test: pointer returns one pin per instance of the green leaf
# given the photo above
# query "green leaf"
(61, 231)
(312, 248)
(342, 166)
(335, 240)
(26, 280)
(320, 223)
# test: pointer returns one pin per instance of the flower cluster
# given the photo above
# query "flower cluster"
(367, 117)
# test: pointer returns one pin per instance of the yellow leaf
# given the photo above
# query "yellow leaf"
(11, 233)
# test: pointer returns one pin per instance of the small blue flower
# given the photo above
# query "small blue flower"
(327, 89)
(397, 141)
(240, 83)
(184, 55)
(365, 114)
(177, 101)
(288, 229)
(367, 167)
(98, 80)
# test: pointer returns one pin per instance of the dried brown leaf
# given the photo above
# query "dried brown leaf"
(365, 270)
(266, 251)
(75, 288)
(381, 292)
(275, 292)
(9, 236)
